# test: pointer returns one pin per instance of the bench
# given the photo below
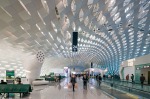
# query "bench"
(53, 78)
(15, 88)
(50, 79)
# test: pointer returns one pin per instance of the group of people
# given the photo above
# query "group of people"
(99, 79)
(85, 81)
(2, 82)
(142, 79)
(132, 78)
(74, 82)
(18, 82)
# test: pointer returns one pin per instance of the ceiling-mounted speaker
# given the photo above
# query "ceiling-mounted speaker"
(40, 56)
(75, 41)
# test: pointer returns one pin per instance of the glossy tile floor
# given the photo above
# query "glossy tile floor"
(61, 91)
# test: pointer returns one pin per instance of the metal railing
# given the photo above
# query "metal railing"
(129, 85)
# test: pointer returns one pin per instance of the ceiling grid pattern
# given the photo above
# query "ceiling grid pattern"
(110, 31)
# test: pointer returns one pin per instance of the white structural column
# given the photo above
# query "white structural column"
(33, 66)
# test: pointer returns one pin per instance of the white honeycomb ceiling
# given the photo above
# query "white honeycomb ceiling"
(110, 31)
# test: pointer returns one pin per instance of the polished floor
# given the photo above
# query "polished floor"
(61, 91)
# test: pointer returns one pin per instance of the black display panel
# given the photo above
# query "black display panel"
(75, 41)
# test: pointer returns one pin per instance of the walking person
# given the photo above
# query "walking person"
(127, 78)
(59, 78)
(85, 79)
(99, 79)
(73, 81)
(104, 76)
(132, 78)
(142, 79)
(2, 82)
(96, 77)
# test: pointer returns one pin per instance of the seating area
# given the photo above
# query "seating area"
(15, 88)
(53, 78)
(46, 81)
(74, 49)
(50, 79)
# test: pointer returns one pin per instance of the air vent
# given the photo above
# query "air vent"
(130, 26)
(57, 13)
(141, 30)
(110, 29)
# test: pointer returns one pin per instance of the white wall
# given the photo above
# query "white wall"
(129, 70)
(57, 70)
(136, 61)
(53, 63)
(129, 65)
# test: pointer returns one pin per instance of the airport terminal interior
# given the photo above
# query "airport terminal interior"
(74, 49)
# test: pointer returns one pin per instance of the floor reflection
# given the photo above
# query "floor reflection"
(60, 91)
(85, 94)
(59, 86)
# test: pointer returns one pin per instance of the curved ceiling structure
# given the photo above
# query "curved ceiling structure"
(110, 31)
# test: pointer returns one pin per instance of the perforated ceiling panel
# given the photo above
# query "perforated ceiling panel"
(110, 31)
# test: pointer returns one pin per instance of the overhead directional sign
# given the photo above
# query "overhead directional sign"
(75, 41)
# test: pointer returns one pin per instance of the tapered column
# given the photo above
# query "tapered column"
(33, 66)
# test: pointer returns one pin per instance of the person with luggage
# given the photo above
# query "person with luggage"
(85, 80)
(73, 81)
